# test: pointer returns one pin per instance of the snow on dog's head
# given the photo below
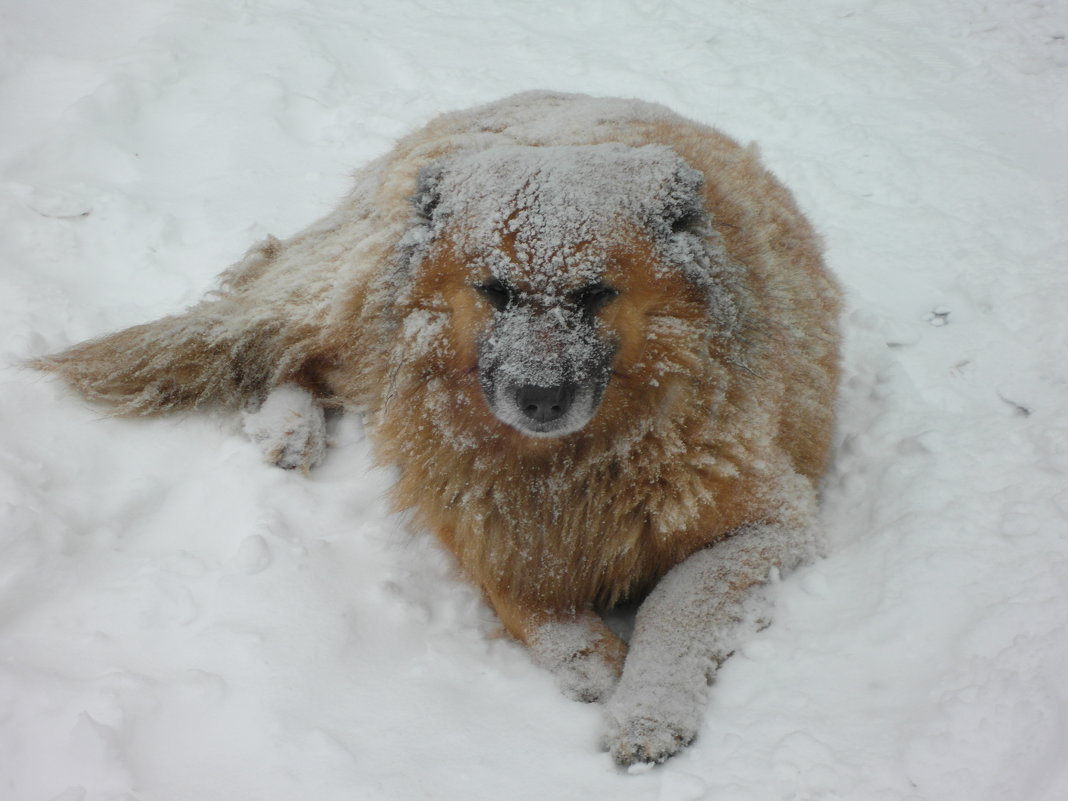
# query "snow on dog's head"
(531, 251)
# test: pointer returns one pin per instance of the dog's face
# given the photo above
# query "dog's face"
(554, 268)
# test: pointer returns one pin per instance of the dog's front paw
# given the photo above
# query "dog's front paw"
(636, 734)
(289, 427)
(590, 675)
(584, 656)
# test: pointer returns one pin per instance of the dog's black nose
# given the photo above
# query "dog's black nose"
(545, 404)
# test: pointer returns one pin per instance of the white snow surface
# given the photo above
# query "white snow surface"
(179, 620)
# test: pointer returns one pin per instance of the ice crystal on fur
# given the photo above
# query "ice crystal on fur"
(586, 662)
(545, 213)
(555, 206)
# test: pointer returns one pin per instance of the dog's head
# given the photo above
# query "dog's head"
(550, 263)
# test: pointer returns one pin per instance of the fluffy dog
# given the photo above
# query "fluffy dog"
(599, 344)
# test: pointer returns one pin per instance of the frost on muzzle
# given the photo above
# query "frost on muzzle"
(544, 370)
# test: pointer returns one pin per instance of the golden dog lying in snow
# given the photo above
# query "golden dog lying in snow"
(600, 345)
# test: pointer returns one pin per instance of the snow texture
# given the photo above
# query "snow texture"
(178, 620)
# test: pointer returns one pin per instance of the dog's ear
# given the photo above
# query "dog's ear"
(682, 228)
(424, 202)
(428, 189)
(681, 206)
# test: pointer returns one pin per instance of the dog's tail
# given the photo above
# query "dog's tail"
(226, 350)
(209, 355)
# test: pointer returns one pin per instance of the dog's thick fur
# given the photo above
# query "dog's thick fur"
(706, 374)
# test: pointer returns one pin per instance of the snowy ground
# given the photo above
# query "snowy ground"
(179, 621)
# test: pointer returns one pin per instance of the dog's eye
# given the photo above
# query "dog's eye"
(593, 298)
(495, 293)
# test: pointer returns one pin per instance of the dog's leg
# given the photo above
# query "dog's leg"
(289, 427)
(584, 655)
(699, 613)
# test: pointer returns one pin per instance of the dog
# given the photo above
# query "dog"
(600, 346)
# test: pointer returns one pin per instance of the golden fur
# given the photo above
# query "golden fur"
(701, 431)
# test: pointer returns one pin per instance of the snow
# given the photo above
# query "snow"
(180, 620)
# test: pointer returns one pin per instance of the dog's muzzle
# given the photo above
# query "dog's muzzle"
(544, 374)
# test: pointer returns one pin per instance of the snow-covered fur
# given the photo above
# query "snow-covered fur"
(596, 339)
